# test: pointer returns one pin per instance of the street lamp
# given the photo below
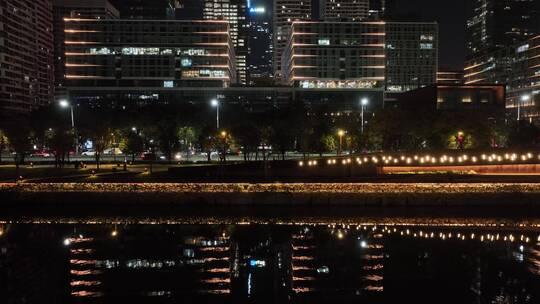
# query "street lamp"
(65, 104)
(524, 98)
(215, 103)
(341, 133)
(364, 102)
(224, 152)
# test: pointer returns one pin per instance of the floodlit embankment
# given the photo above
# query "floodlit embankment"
(291, 194)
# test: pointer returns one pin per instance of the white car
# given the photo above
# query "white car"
(88, 153)
(112, 151)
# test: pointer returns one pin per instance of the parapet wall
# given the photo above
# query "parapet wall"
(300, 194)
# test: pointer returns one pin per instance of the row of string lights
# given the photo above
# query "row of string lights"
(427, 159)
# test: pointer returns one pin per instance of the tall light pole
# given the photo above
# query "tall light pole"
(64, 104)
(524, 98)
(340, 133)
(215, 103)
(364, 102)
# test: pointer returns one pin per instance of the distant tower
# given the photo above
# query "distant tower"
(260, 44)
(344, 10)
(234, 11)
(285, 12)
(493, 24)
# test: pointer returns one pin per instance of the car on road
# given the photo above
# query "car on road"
(89, 153)
(41, 153)
(112, 151)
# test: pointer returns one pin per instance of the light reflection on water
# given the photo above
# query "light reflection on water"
(248, 260)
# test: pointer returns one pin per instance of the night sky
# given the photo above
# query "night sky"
(451, 18)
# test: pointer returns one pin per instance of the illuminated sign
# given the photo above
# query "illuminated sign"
(257, 10)
(168, 84)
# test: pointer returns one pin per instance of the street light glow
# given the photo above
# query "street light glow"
(364, 101)
(341, 133)
(525, 97)
(63, 103)
(214, 103)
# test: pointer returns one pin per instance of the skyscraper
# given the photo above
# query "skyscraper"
(26, 54)
(344, 10)
(260, 46)
(233, 11)
(492, 24)
(93, 9)
(285, 13)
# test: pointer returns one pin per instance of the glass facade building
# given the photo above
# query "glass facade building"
(92, 9)
(152, 54)
(388, 56)
(518, 68)
(492, 24)
(234, 12)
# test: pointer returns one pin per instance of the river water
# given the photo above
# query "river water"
(252, 260)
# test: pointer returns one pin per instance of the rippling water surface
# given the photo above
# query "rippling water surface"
(247, 260)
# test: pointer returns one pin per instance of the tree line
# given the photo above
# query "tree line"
(172, 128)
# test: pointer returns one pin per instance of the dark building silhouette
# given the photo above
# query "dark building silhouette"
(146, 9)
(493, 24)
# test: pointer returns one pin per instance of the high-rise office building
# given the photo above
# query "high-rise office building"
(260, 44)
(285, 13)
(518, 68)
(88, 9)
(26, 54)
(335, 55)
(344, 10)
(153, 54)
(371, 55)
(492, 23)
(234, 12)
(146, 9)
(411, 55)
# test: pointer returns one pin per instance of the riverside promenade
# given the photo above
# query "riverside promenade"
(88, 195)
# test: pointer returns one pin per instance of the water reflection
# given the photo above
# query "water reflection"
(96, 261)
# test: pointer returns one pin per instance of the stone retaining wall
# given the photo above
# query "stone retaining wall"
(328, 194)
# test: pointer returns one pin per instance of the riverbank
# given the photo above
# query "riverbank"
(89, 195)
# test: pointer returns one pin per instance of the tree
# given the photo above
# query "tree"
(133, 145)
(207, 141)
(167, 135)
(524, 135)
(187, 135)
(325, 143)
(61, 143)
(4, 143)
(97, 126)
(248, 137)
(18, 135)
